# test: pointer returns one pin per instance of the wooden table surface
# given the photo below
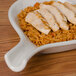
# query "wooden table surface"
(61, 64)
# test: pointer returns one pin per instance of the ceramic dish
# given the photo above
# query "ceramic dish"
(18, 57)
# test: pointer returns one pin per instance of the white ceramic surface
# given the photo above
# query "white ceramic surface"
(17, 58)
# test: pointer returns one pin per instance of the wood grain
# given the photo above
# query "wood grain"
(60, 64)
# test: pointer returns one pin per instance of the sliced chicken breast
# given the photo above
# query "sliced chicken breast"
(70, 6)
(33, 19)
(49, 18)
(71, 16)
(41, 17)
(57, 15)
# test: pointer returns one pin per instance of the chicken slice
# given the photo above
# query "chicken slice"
(70, 6)
(33, 19)
(71, 16)
(59, 18)
(49, 18)
(41, 17)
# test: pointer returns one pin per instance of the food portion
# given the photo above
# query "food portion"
(33, 19)
(49, 18)
(59, 18)
(70, 15)
(49, 22)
